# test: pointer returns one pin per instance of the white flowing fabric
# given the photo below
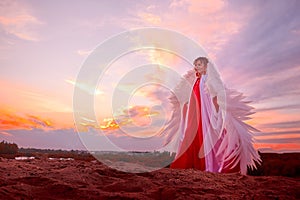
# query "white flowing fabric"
(227, 139)
(211, 125)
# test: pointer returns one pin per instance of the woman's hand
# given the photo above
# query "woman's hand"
(198, 72)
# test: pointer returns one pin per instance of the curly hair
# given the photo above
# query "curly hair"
(202, 60)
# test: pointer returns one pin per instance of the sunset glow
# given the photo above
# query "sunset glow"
(43, 47)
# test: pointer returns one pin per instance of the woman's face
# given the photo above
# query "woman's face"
(200, 67)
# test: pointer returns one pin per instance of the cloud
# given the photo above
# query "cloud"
(199, 6)
(277, 133)
(10, 121)
(25, 107)
(284, 107)
(5, 133)
(209, 23)
(137, 121)
(204, 7)
(262, 61)
(85, 87)
(93, 140)
(136, 116)
(134, 119)
(16, 19)
(39, 138)
(84, 52)
(279, 141)
(24, 98)
(278, 148)
(266, 44)
(255, 43)
(282, 125)
(150, 18)
(69, 139)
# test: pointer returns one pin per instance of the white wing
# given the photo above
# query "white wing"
(237, 144)
(174, 128)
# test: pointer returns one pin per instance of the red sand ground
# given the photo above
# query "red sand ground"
(44, 179)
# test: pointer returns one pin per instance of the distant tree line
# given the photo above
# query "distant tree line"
(53, 151)
(8, 148)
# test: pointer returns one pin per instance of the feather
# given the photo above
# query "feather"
(174, 128)
(238, 133)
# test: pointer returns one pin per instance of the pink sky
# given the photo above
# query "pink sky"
(43, 44)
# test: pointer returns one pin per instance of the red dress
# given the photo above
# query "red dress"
(187, 157)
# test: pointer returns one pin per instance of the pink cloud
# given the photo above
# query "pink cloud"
(204, 7)
(5, 133)
(16, 19)
(13, 121)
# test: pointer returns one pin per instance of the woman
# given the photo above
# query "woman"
(211, 133)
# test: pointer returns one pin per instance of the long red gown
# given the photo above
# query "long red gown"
(187, 156)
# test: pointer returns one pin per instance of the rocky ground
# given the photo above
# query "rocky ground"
(76, 179)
